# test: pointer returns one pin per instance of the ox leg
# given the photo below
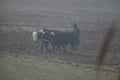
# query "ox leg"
(42, 47)
(74, 47)
(46, 47)
(57, 47)
(64, 48)
(53, 48)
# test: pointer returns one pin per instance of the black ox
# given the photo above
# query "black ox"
(58, 39)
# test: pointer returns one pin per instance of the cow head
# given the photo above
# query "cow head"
(34, 36)
(52, 33)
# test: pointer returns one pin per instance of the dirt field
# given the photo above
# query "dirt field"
(18, 18)
(17, 43)
(17, 67)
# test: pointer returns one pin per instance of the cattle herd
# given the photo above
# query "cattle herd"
(58, 39)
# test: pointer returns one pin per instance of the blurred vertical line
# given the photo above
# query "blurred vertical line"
(105, 45)
(119, 76)
(1, 41)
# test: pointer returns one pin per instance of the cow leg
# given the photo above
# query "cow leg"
(42, 47)
(64, 48)
(58, 48)
(53, 48)
(46, 46)
(73, 47)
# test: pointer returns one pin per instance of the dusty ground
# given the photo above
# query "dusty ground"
(17, 67)
(18, 18)
(18, 41)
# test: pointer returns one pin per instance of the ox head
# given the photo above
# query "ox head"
(42, 31)
(35, 36)
(52, 33)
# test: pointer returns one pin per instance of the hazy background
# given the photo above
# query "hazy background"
(18, 18)
(87, 13)
(20, 58)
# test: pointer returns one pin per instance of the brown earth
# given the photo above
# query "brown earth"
(18, 18)
(18, 41)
